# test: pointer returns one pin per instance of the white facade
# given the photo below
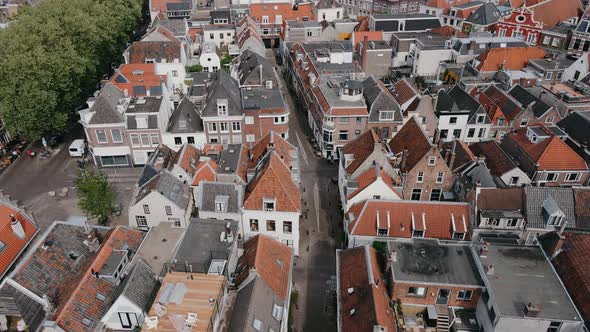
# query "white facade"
(377, 188)
(154, 208)
(209, 58)
(515, 177)
(220, 36)
(123, 315)
(451, 123)
(280, 233)
(427, 62)
(329, 14)
(577, 70)
(176, 140)
(175, 75)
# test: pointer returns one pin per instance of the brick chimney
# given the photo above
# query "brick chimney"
(364, 54)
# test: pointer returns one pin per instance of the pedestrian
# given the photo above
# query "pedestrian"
(29, 153)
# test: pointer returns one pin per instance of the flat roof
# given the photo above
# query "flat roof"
(523, 275)
(159, 245)
(427, 261)
(200, 290)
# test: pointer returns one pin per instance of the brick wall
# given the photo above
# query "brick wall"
(430, 175)
(400, 291)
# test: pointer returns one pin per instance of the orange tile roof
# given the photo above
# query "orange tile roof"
(274, 181)
(359, 37)
(271, 260)
(132, 75)
(371, 176)
(511, 58)
(271, 142)
(188, 156)
(411, 137)
(438, 218)
(550, 154)
(551, 12)
(360, 149)
(257, 10)
(13, 245)
(205, 171)
(369, 298)
(403, 91)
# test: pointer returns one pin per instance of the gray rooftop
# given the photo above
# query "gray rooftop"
(201, 243)
(427, 261)
(229, 160)
(523, 275)
(141, 285)
(551, 64)
(144, 105)
(379, 99)
(159, 245)
(255, 300)
(105, 106)
(330, 88)
(185, 118)
(262, 98)
(168, 186)
(400, 16)
(534, 198)
(222, 87)
(212, 190)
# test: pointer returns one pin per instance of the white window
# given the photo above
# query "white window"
(549, 76)
(277, 312)
(141, 221)
(269, 205)
(175, 222)
(512, 222)
(524, 122)
(481, 118)
(546, 40)
(417, 233)
(550, 119)
(385, 116)
(145, 139)
(254, 225)
(146, 209)
(551, 177)
(265, 19)
(250, 138)
(168, 209)
(223, 127)
(135, 140)
(155, 139)
(101, 136)
(420, 177)
(555, 42)
(572, 177)
(212, 127)
(249, 120)
(416, 194)
(279, 19)
(531, 38)
(236, 126)
(116, 135)
(175, 73)
(417, 291)
(514, 180)
(220, 206)
(257, 324)
(439, 177)
(287, 227)
(464, 295)
(280, 119)
(431, 161)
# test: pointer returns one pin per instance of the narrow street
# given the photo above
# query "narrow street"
(314, 272)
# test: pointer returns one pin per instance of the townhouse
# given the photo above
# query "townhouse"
(423, 170)
(468, 48)
(461, 116)
(484, 18)
(510, 59)
(576, 125)
(158, 45)
(385, 116)
(384, 220)
(391, 23)
(457, 14)
(547, 160)
(328, 10)
(140, 80)
(521, 24)
(269, 18)
(556, 37)
(500, 215)
(504, 169)
(185, 126)
(375, 57)
(579, 36)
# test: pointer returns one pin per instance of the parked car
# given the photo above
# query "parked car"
(77, 148)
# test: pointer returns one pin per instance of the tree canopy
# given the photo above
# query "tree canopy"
(52, 56)
(95, 195)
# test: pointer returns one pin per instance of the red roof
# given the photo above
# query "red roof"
(359, 37)
(403, 91)
(510, 58)
(551, 12)
(188, 156)
(273, 180)
(205, 171)
(550, 153)
(270, 259)
(257, 10)
(358, 270)
(411, 138)
(360, 149)
(438, 219)
(572, 266)
(12, 245)
(128, 76)
(272, 142)
(371, 176)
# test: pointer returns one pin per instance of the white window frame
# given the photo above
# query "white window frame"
(576, 179)
(212, 127)
(104, 132)
(135, 137)
(236, 126)
(441, 176)
(420, 177)
(141, 137)
(549, 119)
(156, 141)
(464, 297)
(141, 221)
(249, 120)
(432, 161)
(221, 127)
(120, 140)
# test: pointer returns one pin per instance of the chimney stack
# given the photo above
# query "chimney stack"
(92, 242)
(532, 310)
(364, 53)
(17, 227)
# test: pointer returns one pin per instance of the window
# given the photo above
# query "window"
(512, 222)
(270, 226)
(524, 122)
(431, 161)
(417, 233)
(141, 221)
(457, 133)
(265, 19)
(189, 140)
(359, 119)
(556, 42)
(385, 116)
(344, 120)
(277, 312)
(223, 127)
(101, 136)
(309, 33)
(254, 225)
(435, 194)
(280, 119)
(481, 118)
(554, 327)
(250, 138)
(444, 133)
(416, 193)
(471, 132)
(420, 177)
(531, 38)
(257, 324)
(212, 127)
(385, 132)
(155, 139)
(168, 210)
(146, 209)
(211, 36)
(382, 231)
(577, 75)
(269, 205)
(357, 133)
(453, 120)
(417, 291)
(572, 177)
(175, 222)
(464, 295)
(177, 140)
(514, 180)
(125, 319)
(116, 135)
(551, 177)
(145, 139)
(236, 126)
(249, 120)
(287, 227)
(502, 32)
(135, 140)
(343, 135)
(549, 76)
(550, 119)
(221, 35)
(482, 133)
(458, 236)
(175, 73)
(546, 40)
(493, 222)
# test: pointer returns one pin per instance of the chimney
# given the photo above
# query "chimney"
(532, 310)
(364, 54)
(17, 227)
(490, 270)
(483, 251)
(92, 242)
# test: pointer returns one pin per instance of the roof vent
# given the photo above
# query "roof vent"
(490, 270)
(350, 291)
(47, 244)
(531, 310)
(352, 311)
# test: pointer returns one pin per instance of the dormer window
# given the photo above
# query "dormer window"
(221, 203)
(481, 118)
(269, 204)
(141, 121)
(383, 224)
(385, 116)
(418, 225)
(552, 214)
(536, 134)
(221, 107)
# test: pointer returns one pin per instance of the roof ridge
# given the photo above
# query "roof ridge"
(280, 178)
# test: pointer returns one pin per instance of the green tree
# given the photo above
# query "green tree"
(194, 69)
(225, 61)
(95, 195)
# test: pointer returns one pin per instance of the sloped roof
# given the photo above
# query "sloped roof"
(358, 269)
(403, 91)
(485, 15)
(105, 106)
(526, 99)
(11, 245)
(360, 149)
(272, 180)
(498, 162)
(223, 86)
(257, 10)
(185, 118)
(509, 107)
(272, 262)
(140, 285)
(412, 138)
(577, 126)
(205, 171)
(438, 218)
(501, 199)
(378, 99)
(137, 79)
(168, 186)
(582, 207)
(551, 12)
(254, 69)
(371, 176)
(509, 58)
(534, 198)
(272, 141)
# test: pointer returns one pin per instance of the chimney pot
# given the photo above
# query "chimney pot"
(17, 227)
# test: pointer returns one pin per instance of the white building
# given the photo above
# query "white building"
(577, 70)
(209, 58)
(221, 34)
(375, 183)
(175, 75)
(184, 127)
(328, 10)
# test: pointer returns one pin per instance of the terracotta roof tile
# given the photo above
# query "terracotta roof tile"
(359, 269)
(551, 12)
(492, 96)
(582, 207)
(273, 180)
(205, 171)
(188, 158)
(272, 141)
(403, 91)
(285, 9)
(271, 260)
(359, 36)
(11, 245)
(438, 218)
(411, 137)
(371, 176)
(500, 199)
(360, 149)
(128, 76)
(511, 58)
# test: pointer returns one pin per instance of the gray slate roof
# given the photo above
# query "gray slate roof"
(525, 98)
(188, 111)
(255, 300)
(379, 100)
(105, 106)
(456, 100)
(210, 190)
(141, 286)
(534, 198)
(249, 69)
(226, 87)
(577, 126)
(152, 122)
(485, 15)
(168, 186)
